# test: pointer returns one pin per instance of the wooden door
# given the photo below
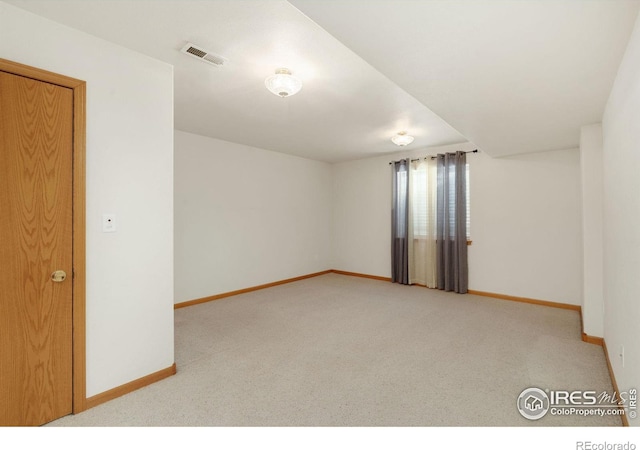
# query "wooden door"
(36, 239)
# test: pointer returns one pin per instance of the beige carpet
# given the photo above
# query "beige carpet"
(344, 351)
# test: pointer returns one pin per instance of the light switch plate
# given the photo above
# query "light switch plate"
(108, 223)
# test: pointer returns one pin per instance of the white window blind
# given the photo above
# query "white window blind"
(420, 199)
(402, 194)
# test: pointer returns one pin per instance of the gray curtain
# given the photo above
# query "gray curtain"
(451, 255)
(400, 222)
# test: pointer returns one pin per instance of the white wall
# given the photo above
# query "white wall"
(362, 211)
(362, 216)
(525, 221)
(621, 138)
(591, 180)
(129, 173)
(245, 216)
(526, 226)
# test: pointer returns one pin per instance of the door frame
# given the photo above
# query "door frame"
(79, 218)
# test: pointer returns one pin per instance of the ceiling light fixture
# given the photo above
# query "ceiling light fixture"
(402, 139)
(283, 84)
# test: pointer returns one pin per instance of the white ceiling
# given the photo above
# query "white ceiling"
(511, 76)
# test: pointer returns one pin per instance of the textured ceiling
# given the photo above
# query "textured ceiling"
(510, 76)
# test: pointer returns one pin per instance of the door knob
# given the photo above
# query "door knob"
(59, 276)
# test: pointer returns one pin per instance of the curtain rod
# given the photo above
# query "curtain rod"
(432, 157)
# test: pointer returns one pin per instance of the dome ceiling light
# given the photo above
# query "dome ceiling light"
(402, 139)
(282, 83)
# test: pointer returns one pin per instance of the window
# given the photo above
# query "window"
(423, 199)
(401, 189)
(431, 205)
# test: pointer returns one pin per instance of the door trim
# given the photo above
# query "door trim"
(79, 218)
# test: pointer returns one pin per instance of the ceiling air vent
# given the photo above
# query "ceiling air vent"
(203, 55)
